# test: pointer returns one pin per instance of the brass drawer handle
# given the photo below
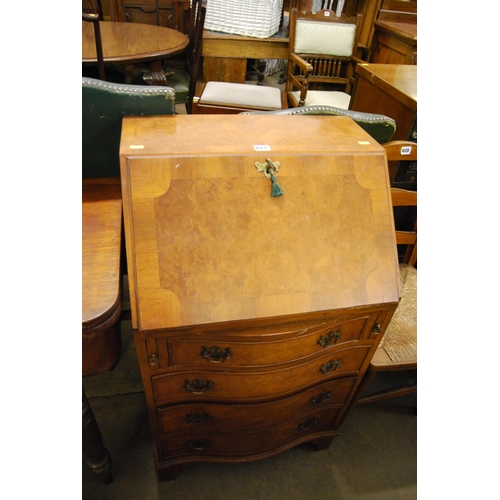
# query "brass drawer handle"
(308, 424)
(198, 444)
(198, 417)
(331, 365)
(215, 354)
(377, 329)
(197, 386)
(328, 338)
(321, 398)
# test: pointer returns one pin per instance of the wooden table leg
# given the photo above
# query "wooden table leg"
(156, 75)
(96, 455)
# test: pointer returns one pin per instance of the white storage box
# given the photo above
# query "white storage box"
(256, 18)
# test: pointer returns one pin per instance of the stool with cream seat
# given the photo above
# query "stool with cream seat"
(231, 98)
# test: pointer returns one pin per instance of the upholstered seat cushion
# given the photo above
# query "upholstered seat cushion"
(241, 94)
(322, 98)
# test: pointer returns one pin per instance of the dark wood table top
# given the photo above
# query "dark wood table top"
(406, 31)
(131, 42)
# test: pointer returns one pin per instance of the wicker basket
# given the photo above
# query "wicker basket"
(256, 18)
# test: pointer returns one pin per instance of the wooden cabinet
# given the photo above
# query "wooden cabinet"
(391, 90)
(395, 33)
(254, 316)
(171, 13)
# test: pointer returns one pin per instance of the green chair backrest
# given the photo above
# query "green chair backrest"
(104, 105)
(380, 127)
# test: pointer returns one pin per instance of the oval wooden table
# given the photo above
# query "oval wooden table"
(124, 43)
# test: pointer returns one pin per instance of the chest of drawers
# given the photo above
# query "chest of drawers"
(254, 316)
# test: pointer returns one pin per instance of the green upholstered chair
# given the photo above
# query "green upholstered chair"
(103, 107)
(380, 127)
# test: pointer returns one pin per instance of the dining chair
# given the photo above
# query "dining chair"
(92, 12)
(402, 168)
(184, 81)
(321, 58)
(380, 127)
(397, 351)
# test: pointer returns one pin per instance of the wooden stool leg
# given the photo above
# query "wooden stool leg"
(96, 455)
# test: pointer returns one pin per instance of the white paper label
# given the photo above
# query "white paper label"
(406, 150)
(261, 147)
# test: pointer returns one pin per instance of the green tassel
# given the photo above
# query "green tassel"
(276, 190)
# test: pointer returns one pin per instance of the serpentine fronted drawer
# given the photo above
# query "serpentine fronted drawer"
(199, 385)
(211, 417)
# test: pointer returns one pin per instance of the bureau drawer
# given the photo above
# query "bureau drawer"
(250, 385)
(195, 417)
(246, 443)
(274, 346)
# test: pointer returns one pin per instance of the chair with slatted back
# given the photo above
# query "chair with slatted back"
(321, 59)
(92, 12)
(397, 351)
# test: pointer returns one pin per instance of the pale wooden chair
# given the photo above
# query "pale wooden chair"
(397, 350)
(321, 59)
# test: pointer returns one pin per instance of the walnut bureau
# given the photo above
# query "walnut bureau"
(254, 316)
